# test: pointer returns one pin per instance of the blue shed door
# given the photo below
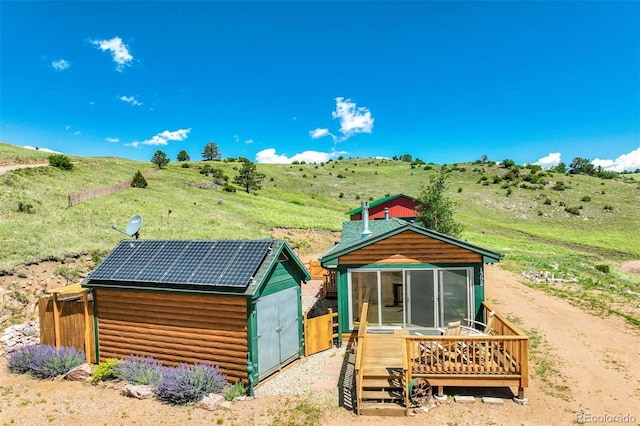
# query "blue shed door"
(278, 330)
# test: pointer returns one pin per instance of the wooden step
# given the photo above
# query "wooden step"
(381, 383)
(383, 395)
(381, 409)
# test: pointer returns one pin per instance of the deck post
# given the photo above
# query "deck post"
(520, 392)
(440, 391)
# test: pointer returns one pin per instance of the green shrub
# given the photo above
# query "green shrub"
(235, 390)
(213, 171)
(106, 370)
(573, 210)
(60, 161)
(562, 204)
(341, 195)
(25, 208)
(509, 191)
(459, 190)
(185, 165)
(229, 188)
(586, 199)
(138, 180)
(547, 201)
(560, 186)
(603, 268)
(608, 207)
(341, 176)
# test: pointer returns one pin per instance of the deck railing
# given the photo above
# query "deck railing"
(482, 360)
(362, 332)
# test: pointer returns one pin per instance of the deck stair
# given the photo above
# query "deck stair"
(382, 393)
(381, 378)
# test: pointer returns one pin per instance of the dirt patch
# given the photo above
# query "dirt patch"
(307, 243)
(6, 167)
(632, 267)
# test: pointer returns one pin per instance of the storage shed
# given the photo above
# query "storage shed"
(230, 303)
(399, 205)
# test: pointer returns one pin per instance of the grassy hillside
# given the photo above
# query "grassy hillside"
(523, 219)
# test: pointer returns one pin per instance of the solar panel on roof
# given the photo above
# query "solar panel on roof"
(233, 264)
(163, 261)
(184, 263)
(187, 261)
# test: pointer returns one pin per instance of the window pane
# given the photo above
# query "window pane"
(454, 297)
(364, 287)
(392, 300)
(420, 288)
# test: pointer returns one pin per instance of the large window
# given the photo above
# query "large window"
(427, 298)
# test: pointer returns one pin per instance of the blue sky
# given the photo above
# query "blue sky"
(280, 81)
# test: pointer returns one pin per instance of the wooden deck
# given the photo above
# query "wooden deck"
(387, 363)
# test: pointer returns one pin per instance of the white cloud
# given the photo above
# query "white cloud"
(164, 137)
(77, 132)
(269, 156)
(133, 144)
(60, 65)
(67, 127)
(112, 140)
(248, 141)
(42, 149)
(236, 138)
(549, 161)
(131, 100)
(319, 133)
(353, 120)
(625, 162)
(118, 49)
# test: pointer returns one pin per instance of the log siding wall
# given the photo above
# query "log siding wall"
(174, 328)
(409, 247)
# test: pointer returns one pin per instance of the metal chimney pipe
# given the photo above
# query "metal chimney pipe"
(365, 220)
(386, 213)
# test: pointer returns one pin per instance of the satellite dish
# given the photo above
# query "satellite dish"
(133, 227)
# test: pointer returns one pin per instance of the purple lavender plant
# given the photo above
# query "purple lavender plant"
(45, 361)
(189, 383)
(139, 370)
(20, 360)
(51, 362)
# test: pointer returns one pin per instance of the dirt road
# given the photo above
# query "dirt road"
(594, 361)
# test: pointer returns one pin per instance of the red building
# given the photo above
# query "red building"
(399, 205)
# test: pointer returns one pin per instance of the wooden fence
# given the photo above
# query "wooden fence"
(315, 270)
(78, 197)
(71, 328)
(320, 332)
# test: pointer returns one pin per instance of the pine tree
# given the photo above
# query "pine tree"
(248, 176)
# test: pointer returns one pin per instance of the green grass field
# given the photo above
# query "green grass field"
(530, 226)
